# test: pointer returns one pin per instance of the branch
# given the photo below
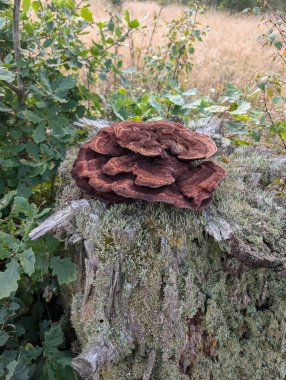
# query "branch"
(17, 48)
(11, 86)
(59, 219)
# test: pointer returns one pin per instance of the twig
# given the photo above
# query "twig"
(154, 29)
(11, 86)
(272, 121)
(17, 48)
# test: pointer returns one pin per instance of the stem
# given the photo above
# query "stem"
(17, 49)
(272, 120)
(154, 29)
(11, 86)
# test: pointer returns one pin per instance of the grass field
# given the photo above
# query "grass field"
(232, 50)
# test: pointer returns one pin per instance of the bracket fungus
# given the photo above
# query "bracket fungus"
(150, 161)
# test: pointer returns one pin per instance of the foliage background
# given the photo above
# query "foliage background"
(51, 74)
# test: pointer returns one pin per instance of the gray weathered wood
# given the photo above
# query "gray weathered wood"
(59, 219)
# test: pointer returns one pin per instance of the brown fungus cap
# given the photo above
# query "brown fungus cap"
(151, 161)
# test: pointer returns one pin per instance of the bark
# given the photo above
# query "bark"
(169, 294)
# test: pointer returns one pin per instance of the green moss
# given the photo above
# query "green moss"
(157, 249)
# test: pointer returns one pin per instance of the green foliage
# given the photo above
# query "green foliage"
(29, 345)
(38, 109)
(165, 67)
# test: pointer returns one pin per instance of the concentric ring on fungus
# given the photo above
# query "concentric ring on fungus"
(150, 161)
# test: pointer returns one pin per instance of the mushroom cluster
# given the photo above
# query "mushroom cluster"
(151, 161)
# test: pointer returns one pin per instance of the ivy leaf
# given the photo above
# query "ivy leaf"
(9, 278)
(86, 14)
(64, 269)
(3, 338)
(27, 260)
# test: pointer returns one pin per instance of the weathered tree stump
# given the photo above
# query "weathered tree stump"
(169, 294)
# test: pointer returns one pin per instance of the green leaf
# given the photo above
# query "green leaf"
(241, 142)
(27, 260)
(31, 116)
(116, 113)
(63, 84)
(36, 5)
(255, 135)
(9, 278)
(153, 103)
(3, 338)
(134, 24)
(277, 99)
(3, 315)
(278, 44)
(7, 199)
(3, 108)
(242, 108)
(26, 4)
(6, 75)
(39, 134)
(53, 338)
(127, 16)
(256, 11)
(9, 244)
(191, 92)
(175, 99)
(48, 372)
(22, 205)
(64, 269)
(11, 369)
(86, 14)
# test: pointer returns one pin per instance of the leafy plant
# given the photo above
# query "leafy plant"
(28, 340)
(43, 89)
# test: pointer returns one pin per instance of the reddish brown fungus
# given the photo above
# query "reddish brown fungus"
(151, 161)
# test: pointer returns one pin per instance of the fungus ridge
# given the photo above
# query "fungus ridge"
(151, 161)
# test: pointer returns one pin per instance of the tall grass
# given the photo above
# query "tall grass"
(232, 51)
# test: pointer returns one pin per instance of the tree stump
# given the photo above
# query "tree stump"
(169, 294)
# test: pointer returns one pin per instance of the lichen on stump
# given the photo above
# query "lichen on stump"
(150, 161)
(172, 294)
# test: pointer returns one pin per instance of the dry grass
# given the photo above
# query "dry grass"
(232, 51)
